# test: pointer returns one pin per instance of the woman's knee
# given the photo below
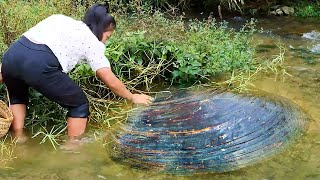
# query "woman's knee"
(81, 111)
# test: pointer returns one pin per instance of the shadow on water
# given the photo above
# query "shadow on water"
(301, 39)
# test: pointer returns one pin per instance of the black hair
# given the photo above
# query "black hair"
(99, 20)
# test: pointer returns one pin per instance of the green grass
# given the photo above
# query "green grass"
(307, 9)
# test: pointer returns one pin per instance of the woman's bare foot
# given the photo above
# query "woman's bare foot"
(72, 145)
(19, 136)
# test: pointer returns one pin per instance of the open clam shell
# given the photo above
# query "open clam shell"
(197, 132)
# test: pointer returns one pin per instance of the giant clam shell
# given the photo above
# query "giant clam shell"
(207, 131)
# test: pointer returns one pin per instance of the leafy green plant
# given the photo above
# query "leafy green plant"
(307, 9)
(138, 61)
(210, 50)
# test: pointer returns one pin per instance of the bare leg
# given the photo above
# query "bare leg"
(19, 116)
(76, 127)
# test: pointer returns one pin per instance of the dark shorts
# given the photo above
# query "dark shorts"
(27, 64)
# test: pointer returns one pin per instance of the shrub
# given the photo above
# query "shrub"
(308, 10)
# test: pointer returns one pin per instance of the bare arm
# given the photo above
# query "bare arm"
(111, 81)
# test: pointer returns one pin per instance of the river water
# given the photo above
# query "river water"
(300, 38)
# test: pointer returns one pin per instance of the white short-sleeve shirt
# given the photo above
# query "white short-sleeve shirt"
(70, 40)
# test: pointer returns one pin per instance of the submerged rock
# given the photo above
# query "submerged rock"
(287, 10)
(200, 132)
(313, 35)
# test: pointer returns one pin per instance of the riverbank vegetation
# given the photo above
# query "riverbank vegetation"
(151, 50)
(307, 9)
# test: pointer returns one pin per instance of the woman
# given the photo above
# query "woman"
(44, 54)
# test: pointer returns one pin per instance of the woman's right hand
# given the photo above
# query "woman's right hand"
(109, 79)
(141, 99)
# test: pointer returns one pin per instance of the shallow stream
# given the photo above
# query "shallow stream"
(300, 37)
